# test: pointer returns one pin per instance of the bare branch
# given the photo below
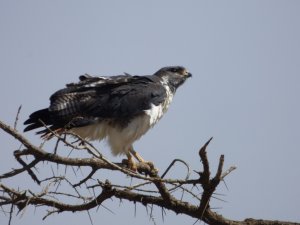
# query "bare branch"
(151, 190)
(18, 171)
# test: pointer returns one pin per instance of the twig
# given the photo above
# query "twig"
(50, 213)
(172, 163)
(86, 178)
(202, 153)
(17, 117)
(30, 172)
(10, 213)
(208, 185)
(228, 171)
(18, 171)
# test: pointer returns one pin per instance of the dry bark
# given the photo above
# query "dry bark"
(160, 194)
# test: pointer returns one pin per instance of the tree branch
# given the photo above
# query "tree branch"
(153, 189)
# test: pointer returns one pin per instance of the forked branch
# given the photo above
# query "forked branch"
(152, 189)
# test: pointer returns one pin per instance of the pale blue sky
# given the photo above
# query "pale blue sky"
(245, 61)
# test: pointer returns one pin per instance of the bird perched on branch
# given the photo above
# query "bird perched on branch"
(118, 108)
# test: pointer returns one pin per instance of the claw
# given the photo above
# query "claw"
(131, 163)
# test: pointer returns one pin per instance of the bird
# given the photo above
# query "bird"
(119, 109)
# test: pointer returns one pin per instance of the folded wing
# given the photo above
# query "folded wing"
(118, 99)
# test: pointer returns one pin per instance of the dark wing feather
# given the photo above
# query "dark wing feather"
(128, 100)
(118, 98)
(37, 119)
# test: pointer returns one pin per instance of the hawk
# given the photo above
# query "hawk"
(119, 108)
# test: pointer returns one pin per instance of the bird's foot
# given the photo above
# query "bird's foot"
(150, 164)
(130, 164)
(145, 167)
(152, 170)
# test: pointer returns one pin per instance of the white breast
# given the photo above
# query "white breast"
(121, 139)
(156, 112)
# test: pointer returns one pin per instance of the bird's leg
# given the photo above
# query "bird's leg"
(140, 159)
(131, 163)
(136, 155)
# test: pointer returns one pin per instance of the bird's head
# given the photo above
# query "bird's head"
(174, 76)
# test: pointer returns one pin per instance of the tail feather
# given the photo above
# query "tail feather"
(38, 119)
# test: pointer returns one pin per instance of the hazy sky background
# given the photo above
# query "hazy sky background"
(245, 61)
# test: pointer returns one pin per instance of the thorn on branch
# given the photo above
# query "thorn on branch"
(203, 149)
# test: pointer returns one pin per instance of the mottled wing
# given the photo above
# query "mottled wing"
(118, 98)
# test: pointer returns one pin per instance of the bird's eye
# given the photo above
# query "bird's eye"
(174, 70)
